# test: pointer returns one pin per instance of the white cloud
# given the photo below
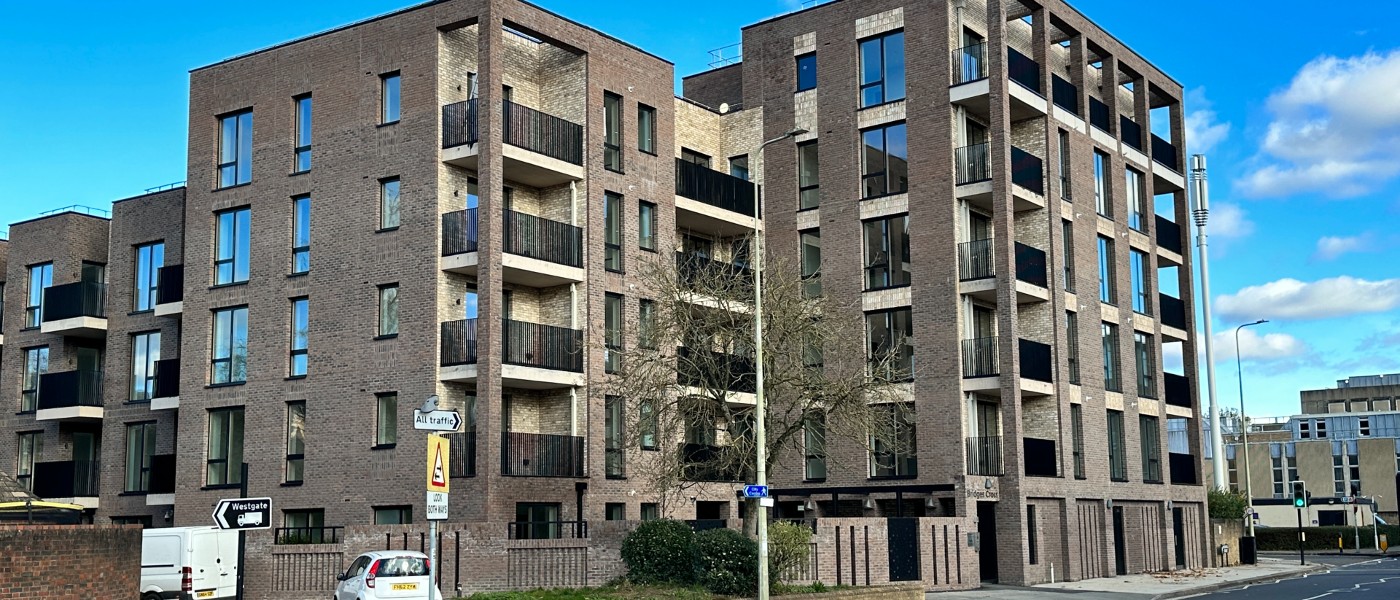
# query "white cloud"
(1325, 298)
(1330, 247)
(1172, 361)
(1202, 131)
(1335, 129)
(1254, 346)
(1229, 221)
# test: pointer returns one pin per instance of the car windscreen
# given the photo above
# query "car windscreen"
(402, 566)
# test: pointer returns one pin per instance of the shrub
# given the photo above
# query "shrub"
(1320, 538)
(1226, 504)
(788, 548)
(661, 551)
(728, 562)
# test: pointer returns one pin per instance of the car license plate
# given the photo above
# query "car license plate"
(206, 594)
(404, 586)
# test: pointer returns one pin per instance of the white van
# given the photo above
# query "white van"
(189, 563)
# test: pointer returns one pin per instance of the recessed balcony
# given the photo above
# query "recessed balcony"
(160, 489)
(1173, 318)
(974, 177)
(1166, 167)
(981, 369)
(538, 252)
(533, 356)
(972, 89)
(170, 291)
(713, 202)
(539, 149)
(76, 310)
(542, 455)
(978, 278)
(1169, 246)
(166, 395)
(68, 482)
(70, 396)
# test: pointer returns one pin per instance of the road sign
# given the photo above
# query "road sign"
(244, 513)
(755, 491)
(437, 506)
(438, 420)
(1348, 499)
(438, 456)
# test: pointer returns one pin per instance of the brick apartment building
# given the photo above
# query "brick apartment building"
(452, 199)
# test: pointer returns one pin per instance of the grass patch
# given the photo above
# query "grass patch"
(785, 589)
(624, 591)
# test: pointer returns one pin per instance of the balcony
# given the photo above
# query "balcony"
(708, 370)
(170, 291)
(161, 489)
(1030, 265)
(1168, 241)
(714, 283)
(1166, 167)
(76, 309)
(68, 481)
(70, 396)
(1066, 95)
(1027, 180)
(1040, 457)
(704, 462)
(1173, 317)
(457, 351)
(1037, 362)
(713, 202)
(1102, 122)
(463, 455)
(976, 272)
(972, 89)
(1183, 469)
(541, 455)
(535, 356)
(166, 395)
(975, 260)
(1130, 132)
(984, 456)
(539, 150)
(979, 357)
(538, 252)
(1178, 390)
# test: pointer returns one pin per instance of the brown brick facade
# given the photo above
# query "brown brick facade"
(70, 561)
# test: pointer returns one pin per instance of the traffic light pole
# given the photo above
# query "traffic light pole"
(1300, 538)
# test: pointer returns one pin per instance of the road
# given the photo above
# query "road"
(1376, 578)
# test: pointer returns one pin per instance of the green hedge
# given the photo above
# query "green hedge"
(661, 551)
(1320, 538)
(728, 562)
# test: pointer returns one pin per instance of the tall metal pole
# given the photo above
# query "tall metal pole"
(1244, 427)
(1201, 213)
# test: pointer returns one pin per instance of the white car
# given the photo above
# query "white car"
(398, 574)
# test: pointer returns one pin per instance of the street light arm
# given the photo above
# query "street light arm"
(1244, 426)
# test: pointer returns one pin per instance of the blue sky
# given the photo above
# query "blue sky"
(1300, 118)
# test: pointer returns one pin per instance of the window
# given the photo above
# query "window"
(1072, 343)
(810, 248)
(882, 69)
(887, 253)
(739, 166)
(300, 334)
(1145, 353)
(389, 203)
(1064, 165)
(1320, 426)
(613, 434)
(651, 511)
(884, 161)
(296, 441)
(615, 511)
(612, 232)
(612, 132)
(612, 333)
(393, 515)
(1108, 290)
(31, 445)
(389, 107)
(1117, 447)
(1067, 228)
(1303, 430)
(140, 447)
(301, 154)
(1138, 265)
(305, 526)
(1363, 426)
(888, 338)
(814, 446)
(40, 278)
(231, 246)
(386, 430)
(1076, 419)
(536, 521)
(389, 310)
(893, 451)
(1112, 371)
(149, 259)
(1031, 540)
(646, 324)
(807, 72)
(225, 457)
(648, 422)
(229, 359)
(808, 181)
(145, 351)
(301, 234)
(236, 149)
(1102, 202)
(646, 129)
(693, 157)
(1150, 437)
(1137, 205)
(646, 226)
(36, 363)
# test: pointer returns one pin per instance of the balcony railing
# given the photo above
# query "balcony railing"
(1023, 69)
(463, 455)
(1131, 131)
(1036, 361)
(1183, 468)
(1098, 115)
(704, 462)
(979, 357)
(543, 133)
(71, 300)
(715, 370)
(543, 346)
(1041, 459)
(459, 233)
(972, 164)
(68, 389)
(970, 63)
(984, 455)
(541, 238)
(66, 479)
(1168, 234)
(1164, 153)
(720, 190)
(459, 123)
(458, 343)
(167, 384)
(1030, 265)
(307, 535)
(162, 474)
(700, 273)
(1173, 311)
(170, 284)
(546, 530)
(1178, 389)
(1066, 94)
(541, 455)
(1027, 170)
(975, 260)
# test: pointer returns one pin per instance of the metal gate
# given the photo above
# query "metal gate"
(904, 549)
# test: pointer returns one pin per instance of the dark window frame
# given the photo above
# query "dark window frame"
(386, 437)
(904, 373)
(866, 174)
(390, 97)
(301, 146)
(231, 346)
(886, 271)
(297, 458)
(29, 396)
(813, 179)
(614, 316)
(384, 203)
(149, 377)
(384, 311)
(809, 81)
(241, 238)
(646, 139)
(301, 242)
(1112, 362)
(1117, 447)
(299, 348)
(646, 225)
(612, 232)
(34, 312)
(143, 469)
(811, 279)
(146, 287)
(612, 132)
(232, 474)
(885, 77)
(241, 162)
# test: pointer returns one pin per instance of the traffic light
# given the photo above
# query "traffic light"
(1300, 495)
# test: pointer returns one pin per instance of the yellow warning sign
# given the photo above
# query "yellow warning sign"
(438, 456)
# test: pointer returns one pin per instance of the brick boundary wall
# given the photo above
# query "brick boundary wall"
(59, 562)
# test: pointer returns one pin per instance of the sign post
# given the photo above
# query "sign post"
(439, 455)
(242, 514)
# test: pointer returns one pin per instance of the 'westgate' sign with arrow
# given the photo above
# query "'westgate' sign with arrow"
(244, 513)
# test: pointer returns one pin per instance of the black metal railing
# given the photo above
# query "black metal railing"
(1178, 389)
(66, 478)
(1040, 457)
(979, 357)
(170, 284)
(542, 132)
(973, 164)
(1168, 234)
(1183, 468)
(1023, 69)
(1027, 170)
(546, 530)
(697, 272)
(70, 300)
(1130, 131)
(720, 190)
(458, 343)
(459, 233)
(544, 346)
(1173, 311)
(1066, 94)
(538, 237)
(984, 455)
(459, 123)
(1164, 153)
(541, 455)
(704, 462)
(970, 63)
(1036, 361)
(67, 389)
(162, 474)
(975, 260)
(1099, 116)
(463, 455)
(307, 535)
(715, 370)
(1030, 265)
(167, 384)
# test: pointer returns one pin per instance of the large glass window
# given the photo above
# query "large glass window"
(386, 430)
(1076, 419)
(893, 447)
(389, 203)
(1150, 438)
(301, 234)
(646, 129)
(36, 363)
(814, 446)
(301, 160)
(1102, 201)
(646, 324)
(229, 359)
(807, 72)
(1112, 369)
(145, 351)
(300, 335)
(887, 252)
(389, 94)
(140, 447)
(884, 161)
(31, 445)
(149, 259)
(647, 420)
(1137, 203)
(236, 149)
(612, 132)
(810, 249)
(1142, 301)
(231, 244)
(1068, 230)
(882, 69)
(1145, 357)
(389, 310)
(739, 166)
(646, 225)
(888, 336)
(393, 515)
(1072, 343)
(40, 279)
(612, 332)
(296, 441)
(808, 181)
(613, 436)
(1117, 447)
(612, 232)
(1064, 166)
(1108, 288)
(224, 463)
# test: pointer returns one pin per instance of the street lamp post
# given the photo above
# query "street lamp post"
(760, 414)
(1244, 427)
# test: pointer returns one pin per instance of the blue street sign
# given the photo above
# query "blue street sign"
(755, 491)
